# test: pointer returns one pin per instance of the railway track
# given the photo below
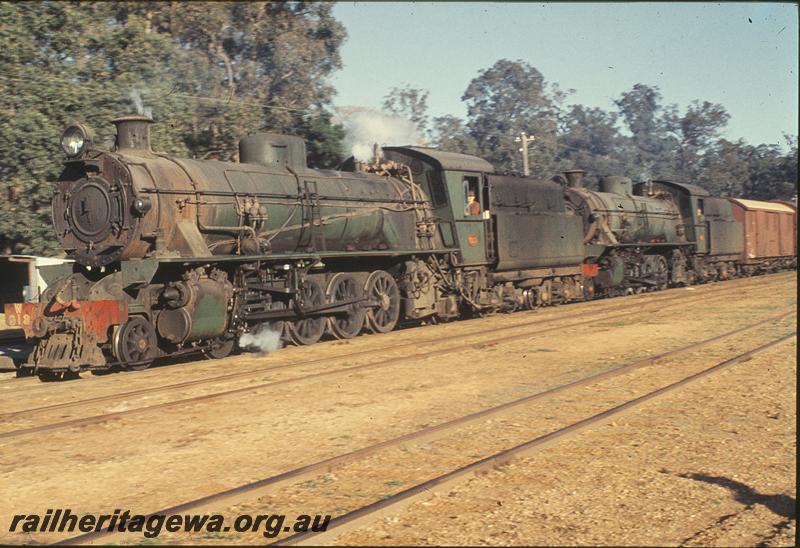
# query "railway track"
(398, 500)
(593, 307)
(639, 308)
(346, 356)
(602, 304)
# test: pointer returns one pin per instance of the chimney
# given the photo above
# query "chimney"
(133, 132)
(376, 154)
(574, 177)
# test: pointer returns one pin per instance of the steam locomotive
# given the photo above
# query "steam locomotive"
(663, 233)
(174, 255)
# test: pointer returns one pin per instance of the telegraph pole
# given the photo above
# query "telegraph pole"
(524, 139)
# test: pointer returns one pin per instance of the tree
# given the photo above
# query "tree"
(652, 126)
(761, 172)
(788, 167)
(60, 62)
(449, 133)
(700, 128)
(410, 103)
(702, 124)
(257, 66)
(211, 73)
(589, 140)
(323, 139)
(506, 99)
(725, 168)
(767, 180)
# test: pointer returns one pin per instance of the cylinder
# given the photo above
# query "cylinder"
(201, 314)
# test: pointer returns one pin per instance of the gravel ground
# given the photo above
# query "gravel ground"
(153, 460)
(712, 465)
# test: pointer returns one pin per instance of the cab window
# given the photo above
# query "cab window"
(437, 190)
(472, 197)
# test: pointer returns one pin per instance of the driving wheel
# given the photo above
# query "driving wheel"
(308, 330)
(384, 298)
(347, 324)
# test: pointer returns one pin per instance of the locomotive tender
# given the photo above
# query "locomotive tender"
(176, 255)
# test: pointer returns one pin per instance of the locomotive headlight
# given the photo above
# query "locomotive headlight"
(75, 140)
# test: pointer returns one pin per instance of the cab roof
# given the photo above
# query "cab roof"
(694, 190)
(448, 161)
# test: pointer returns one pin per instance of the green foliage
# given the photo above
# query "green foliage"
(409, 103)
(771, 174)
(210, 71)
(653, 141)
(644, 138)
(505, 99)
(450, 134)
(589, 140)
(323, 139)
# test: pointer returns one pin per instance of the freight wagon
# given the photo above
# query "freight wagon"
(770, 234)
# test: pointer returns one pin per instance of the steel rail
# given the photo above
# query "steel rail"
(432, 340)
(460, 347)
(251, 372)
(715, 287)
(598, 303)
(396, 502)
(329, 464)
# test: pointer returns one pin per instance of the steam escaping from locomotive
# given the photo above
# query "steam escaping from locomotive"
(263, 340)
(366, 127)
(136, 98)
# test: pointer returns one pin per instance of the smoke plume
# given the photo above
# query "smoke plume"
(262, 339)
(365, 127)
(136, 98)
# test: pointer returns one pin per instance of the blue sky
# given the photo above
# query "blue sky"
(704, 51)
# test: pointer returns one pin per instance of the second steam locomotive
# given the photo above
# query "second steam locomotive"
(176, 255)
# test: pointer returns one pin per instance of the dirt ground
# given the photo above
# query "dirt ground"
(713, 465)
(689, 468)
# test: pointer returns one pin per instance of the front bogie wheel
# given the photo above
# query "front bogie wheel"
(220, 348)
(135, 344)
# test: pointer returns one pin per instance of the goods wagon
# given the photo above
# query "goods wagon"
(770, 238)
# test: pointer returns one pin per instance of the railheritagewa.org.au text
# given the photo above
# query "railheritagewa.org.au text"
(63, 520)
